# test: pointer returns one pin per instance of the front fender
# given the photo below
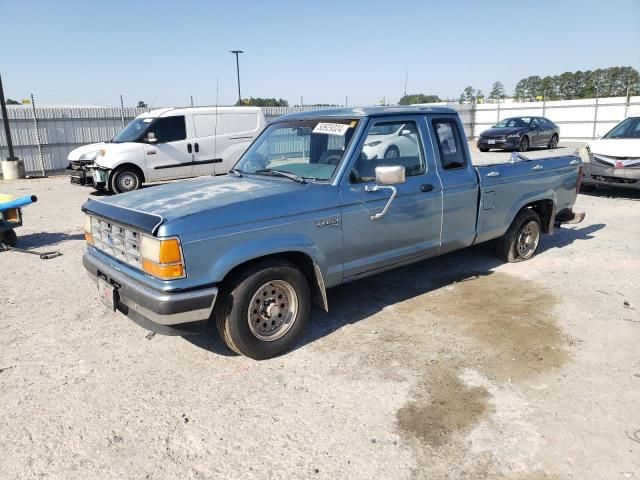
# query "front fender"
(262, 247)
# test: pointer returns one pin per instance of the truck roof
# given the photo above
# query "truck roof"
(361, 112)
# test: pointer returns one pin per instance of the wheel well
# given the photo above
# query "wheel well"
(300, 260)
(132, 166)
(544, 208)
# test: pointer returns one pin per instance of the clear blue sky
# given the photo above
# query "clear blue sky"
(165, 50)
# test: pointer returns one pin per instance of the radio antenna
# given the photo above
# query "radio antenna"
(215, 126)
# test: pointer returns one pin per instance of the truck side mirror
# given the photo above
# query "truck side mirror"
(390, 175)
(151, 138)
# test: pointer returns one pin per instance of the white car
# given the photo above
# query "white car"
(614, 159)
(389, 141)
(167, 144)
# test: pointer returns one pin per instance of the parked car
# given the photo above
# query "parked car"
(167, 144)
(390, 141)
(520, 133)
(250, 251)
(614, 159)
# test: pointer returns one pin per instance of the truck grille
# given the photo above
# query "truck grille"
(118, 241)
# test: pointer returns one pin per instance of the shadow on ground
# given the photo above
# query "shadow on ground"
(356, 301)
(613, 192)
(43, 239)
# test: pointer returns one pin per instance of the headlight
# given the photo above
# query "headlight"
(162, 258)
(91, 155)
(514, 135)
(373, 144)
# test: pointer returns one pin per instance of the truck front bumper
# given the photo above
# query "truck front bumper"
(169, 313)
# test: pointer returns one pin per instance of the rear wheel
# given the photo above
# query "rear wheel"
(523, 146)
(125, 179)
(521, 240)
(263, 309)
(554, 141)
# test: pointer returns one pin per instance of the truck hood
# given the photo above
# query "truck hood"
(188, 197)
(616, 147)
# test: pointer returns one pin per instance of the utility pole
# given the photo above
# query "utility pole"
(237, 52)
(406, 77)
(191, 100)
(5, 118)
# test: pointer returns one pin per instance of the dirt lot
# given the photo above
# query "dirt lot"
(459, 367)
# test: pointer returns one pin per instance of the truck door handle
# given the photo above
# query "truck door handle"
(426, 188)
(493, 174)
(189, 149)
(197, 147)
(537, 167)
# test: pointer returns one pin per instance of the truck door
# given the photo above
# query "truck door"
(459, 184)
(171, 156)
(410, 228)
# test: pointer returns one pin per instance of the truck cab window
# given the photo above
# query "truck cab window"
(449, 144)
(389, 143)
(169, 129)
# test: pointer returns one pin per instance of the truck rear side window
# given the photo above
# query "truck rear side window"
(449, 144)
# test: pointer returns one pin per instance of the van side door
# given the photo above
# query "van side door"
(206, 127)
(459, 183)
(171, 156)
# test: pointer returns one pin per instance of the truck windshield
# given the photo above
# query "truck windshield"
(311, 149)
(628, 128)
(134, 131)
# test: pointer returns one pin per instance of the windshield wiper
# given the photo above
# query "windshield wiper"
(291, 176)
(236, 172)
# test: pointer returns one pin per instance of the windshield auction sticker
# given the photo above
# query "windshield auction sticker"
(331, 128)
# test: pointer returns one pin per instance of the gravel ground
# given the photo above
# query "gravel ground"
(458, 367)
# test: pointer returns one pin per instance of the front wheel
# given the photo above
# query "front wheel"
(521, 240)
(125, 179)
(263, 309)
(392, 152)
(523, 146)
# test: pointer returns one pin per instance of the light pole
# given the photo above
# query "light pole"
(236, 52)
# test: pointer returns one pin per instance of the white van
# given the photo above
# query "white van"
(167, 144)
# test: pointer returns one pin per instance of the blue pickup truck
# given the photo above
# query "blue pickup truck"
(319, 199)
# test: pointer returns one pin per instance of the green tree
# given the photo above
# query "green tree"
(497, 91)
(141, 104)
(480, 96)
(469, 94)
(11, 101)
(262, 102)
(418, 98)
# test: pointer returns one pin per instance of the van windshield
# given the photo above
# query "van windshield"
(134, 131)
(311, 149)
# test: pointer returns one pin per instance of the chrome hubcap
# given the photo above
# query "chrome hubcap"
(528, 239)
(127, 181)
(273, 310)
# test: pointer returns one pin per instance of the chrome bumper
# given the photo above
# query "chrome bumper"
(151, 307)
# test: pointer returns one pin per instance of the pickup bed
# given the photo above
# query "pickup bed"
(319, 199)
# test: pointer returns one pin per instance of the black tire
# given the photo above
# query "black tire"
(483, 149)
(507, 245)
(554, 141)
(233, 315)
(392, 152)
(9, 238)
(125, 179)
(523, 146)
